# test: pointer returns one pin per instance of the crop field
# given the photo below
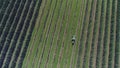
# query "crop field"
(38, 33)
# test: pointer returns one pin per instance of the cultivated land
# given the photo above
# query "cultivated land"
(94, 24)
(38, 33)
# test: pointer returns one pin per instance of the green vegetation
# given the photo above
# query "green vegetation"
(90, 21)
(39, 33)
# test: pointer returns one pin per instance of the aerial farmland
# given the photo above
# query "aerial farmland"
(59, 33)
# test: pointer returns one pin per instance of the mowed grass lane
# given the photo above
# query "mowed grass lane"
(61, 30)
(57, 21)
(73, 20)
(76, 19)
(62, 45)
(66, 37)
(41, 55)
(51, 31)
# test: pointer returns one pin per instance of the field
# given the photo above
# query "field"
(38, 33)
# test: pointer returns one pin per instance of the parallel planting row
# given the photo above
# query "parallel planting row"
(17, 20)
(96, 24)
(38, 33)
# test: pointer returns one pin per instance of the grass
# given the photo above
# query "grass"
(91, 21)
